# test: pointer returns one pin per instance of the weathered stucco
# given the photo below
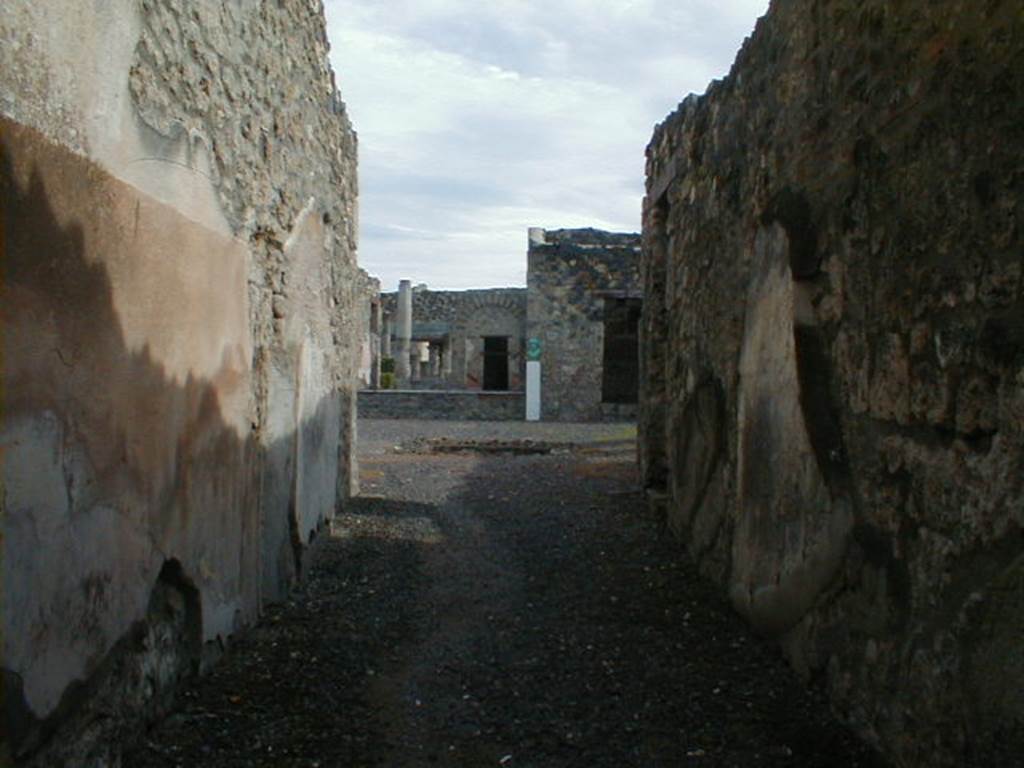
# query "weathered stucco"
(833, 357)
(94, 418)
(180, 310)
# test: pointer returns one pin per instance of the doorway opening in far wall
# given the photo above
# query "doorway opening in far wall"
(496, 363)
(621, 365)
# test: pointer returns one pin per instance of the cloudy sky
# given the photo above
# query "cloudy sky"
(479, 119)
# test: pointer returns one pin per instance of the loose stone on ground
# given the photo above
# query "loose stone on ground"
(500, 609)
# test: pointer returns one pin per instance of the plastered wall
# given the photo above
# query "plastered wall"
(180, 353)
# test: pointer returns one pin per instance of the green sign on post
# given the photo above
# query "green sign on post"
(533, 349)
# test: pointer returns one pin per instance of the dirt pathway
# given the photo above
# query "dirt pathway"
(498, 606)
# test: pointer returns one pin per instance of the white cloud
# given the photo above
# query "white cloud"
(479, 120)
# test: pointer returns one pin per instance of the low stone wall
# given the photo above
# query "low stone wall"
(466, 317)
(460, 405)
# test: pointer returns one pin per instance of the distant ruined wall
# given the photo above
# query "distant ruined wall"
(570, 273)
(467, 316)
(834, 357)
(429, 306)
(368, 325)
(178, 313)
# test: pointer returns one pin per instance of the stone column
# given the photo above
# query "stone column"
(435, 360)
(403, 335)
(375, 344)
(385, 337)
(416, 360)
(446, 360)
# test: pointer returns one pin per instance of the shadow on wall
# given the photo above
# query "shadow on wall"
(132, 507)
(861, 497)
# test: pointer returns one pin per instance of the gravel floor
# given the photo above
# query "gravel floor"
(480, 607)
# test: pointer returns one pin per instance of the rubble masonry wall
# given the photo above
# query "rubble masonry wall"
(569, 274)
(468, 316)
(833, 357)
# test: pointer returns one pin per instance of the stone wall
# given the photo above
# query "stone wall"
(458, 321)
(452, 405)
(834, 358)
(369, 326)
(570, 274)
(179, 303)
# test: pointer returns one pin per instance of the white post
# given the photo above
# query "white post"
(533, 390)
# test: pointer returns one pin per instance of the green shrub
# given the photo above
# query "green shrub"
(387, 380)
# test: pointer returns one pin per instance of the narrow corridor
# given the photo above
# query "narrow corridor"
(498, 596)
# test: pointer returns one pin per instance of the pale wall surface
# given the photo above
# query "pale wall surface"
(180, 300)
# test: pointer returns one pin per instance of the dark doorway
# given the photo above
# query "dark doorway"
(496, 362)
(621, 372)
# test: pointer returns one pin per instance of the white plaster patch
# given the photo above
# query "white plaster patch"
(308, 339)
(789, 536)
